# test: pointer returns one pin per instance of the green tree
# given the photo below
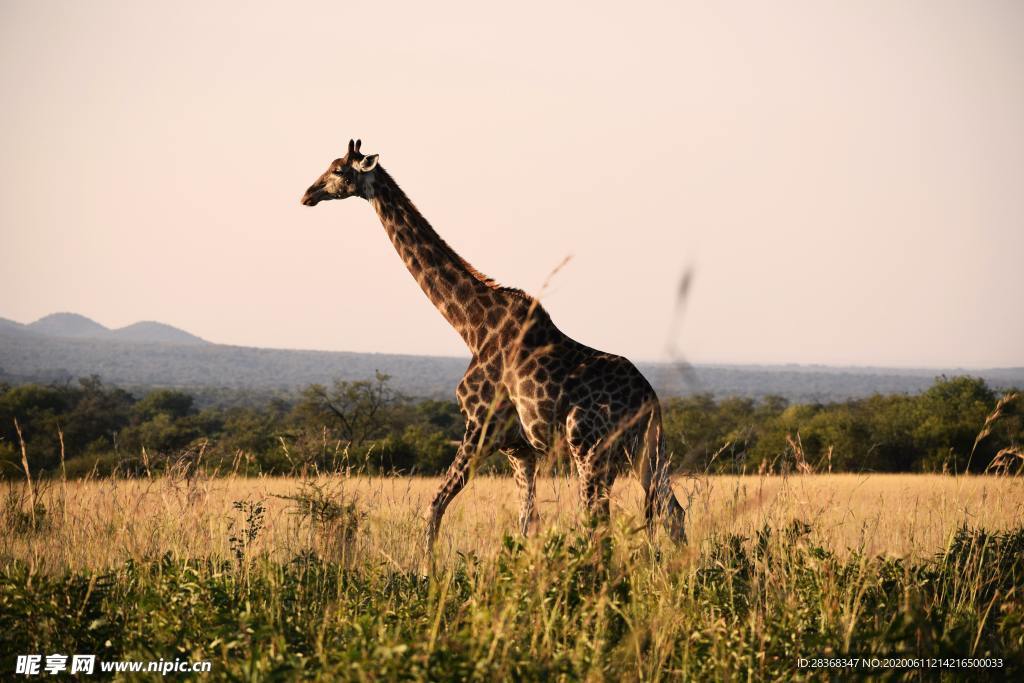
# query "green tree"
(950, 415)
(172, 403)
(355, 411)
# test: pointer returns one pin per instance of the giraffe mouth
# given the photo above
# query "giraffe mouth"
(313, 196)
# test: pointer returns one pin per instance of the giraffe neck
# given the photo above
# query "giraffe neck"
(465, 297)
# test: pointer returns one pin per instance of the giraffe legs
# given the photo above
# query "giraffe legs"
(454, 481)
(660, 502)
(524, 469)
(595, 491)
(524, 466)
(584, 432)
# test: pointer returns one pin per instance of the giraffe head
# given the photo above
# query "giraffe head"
(353, 174)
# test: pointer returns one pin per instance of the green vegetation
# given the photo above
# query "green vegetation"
(367, 426)
(935, 431)
(563, 607)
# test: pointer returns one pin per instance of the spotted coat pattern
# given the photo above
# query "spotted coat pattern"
(528, 386)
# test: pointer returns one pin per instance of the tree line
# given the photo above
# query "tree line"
(957, 424)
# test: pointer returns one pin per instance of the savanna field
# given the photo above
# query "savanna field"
(756, 258)
(323, 577)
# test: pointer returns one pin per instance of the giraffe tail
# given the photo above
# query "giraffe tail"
(661, 501)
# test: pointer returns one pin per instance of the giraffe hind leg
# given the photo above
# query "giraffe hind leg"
(584, 431)
(675, 519)
(596, 480)
(660, 503)
(647, 475)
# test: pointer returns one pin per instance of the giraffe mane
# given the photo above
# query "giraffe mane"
(489, 281)
(472, 270)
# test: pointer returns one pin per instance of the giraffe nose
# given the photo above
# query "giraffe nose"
(313, 195)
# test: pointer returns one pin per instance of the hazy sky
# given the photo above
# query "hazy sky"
(846, 179)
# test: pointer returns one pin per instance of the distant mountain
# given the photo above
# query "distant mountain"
(75, 326)
(155, 355)
(151, 331)
(67, 325)
(6, 324)
(26, 356)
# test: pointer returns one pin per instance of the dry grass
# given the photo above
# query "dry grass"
(291, 579)
(111, 520)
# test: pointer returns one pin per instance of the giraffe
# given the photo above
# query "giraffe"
(528, 386)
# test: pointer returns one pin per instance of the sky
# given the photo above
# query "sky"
(844, 180)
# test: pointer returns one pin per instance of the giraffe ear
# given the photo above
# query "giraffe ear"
(368, 163)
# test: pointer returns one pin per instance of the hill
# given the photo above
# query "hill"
(152, 354)
(27, 356)
(6, 324)
(151, 331)
(67, 325)
(75, 326)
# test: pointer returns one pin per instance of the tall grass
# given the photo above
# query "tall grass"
(320, 578)
(101, 522)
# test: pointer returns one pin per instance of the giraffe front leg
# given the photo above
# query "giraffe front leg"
(454, 481)
(524, 469)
